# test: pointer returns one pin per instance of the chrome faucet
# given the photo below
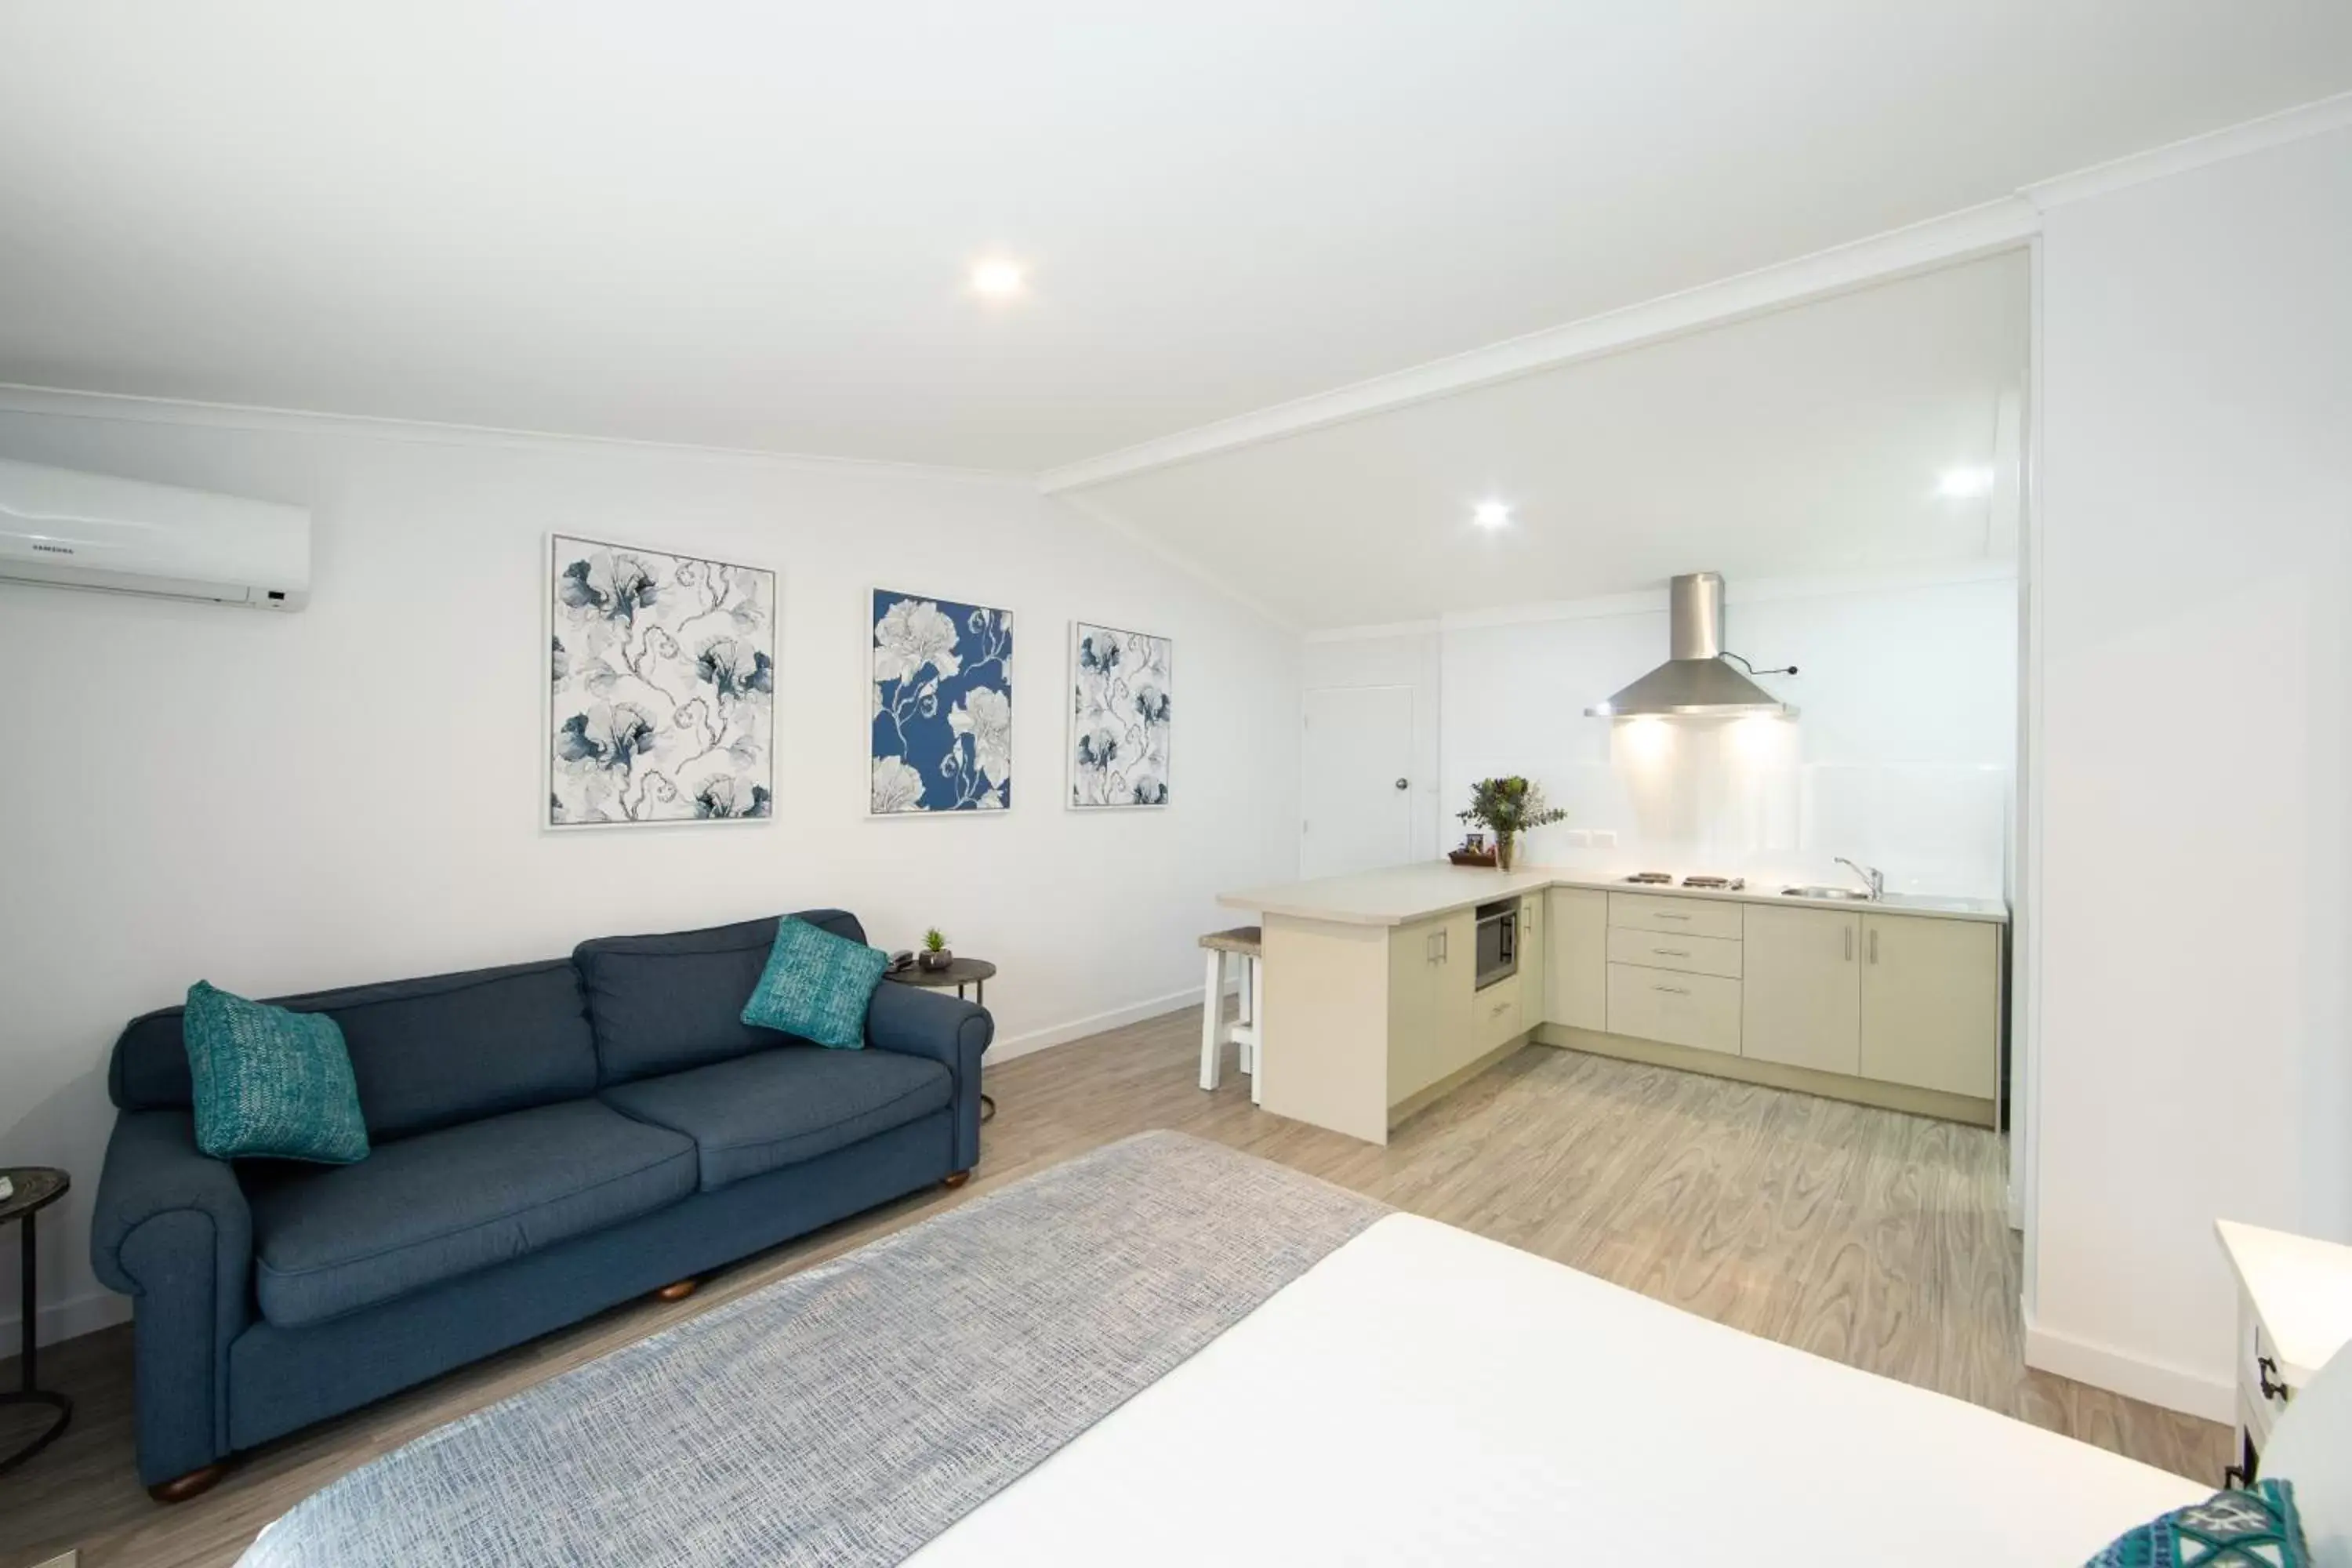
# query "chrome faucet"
(1870, 874)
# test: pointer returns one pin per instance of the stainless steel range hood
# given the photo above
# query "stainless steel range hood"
(1694, 683)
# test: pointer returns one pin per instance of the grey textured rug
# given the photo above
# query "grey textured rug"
(852, 1412)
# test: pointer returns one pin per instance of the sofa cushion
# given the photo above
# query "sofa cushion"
(780, 1106)
(662, 1003)
(816, 985)
(270, 1082)
(426, 1053)
(443, 1203)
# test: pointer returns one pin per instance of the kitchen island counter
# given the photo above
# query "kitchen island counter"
(1384, 991)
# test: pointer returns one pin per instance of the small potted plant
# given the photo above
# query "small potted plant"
(935, 954)
(1509, 807)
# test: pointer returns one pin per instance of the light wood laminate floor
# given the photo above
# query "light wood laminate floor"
(1870, 1237)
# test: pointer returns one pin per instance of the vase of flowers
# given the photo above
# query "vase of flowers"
(935, 955)
(1509, 807)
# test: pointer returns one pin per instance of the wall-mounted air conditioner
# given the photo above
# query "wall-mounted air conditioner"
(91, 531)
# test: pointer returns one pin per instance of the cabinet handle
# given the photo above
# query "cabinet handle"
(1849, 944)
(1672, 990)
(1671, 952)
(1661, 914)
(1501, 1008)
(1873, 944)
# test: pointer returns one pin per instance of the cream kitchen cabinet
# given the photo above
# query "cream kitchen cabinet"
(1533, 951)
(1432, 978)
(1800, 1002)
(1931, 1004)
(1699, 1010)
(1576, 958)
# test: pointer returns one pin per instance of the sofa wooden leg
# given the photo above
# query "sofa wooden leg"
(180, 1489)
(958, 1179)
(678, 1290)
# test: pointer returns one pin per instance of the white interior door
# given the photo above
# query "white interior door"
(1355, 790)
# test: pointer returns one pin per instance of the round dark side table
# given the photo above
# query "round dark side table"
(960, 973)
(37, 1187)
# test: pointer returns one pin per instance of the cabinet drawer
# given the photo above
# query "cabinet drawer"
(1496, 1019)
(1691, 954)
(1681, 917)
(1696, 1010)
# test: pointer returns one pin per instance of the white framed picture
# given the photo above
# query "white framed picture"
(1122, 718)
(660, 688)
(939, 733)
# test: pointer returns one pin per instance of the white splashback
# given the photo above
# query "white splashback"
(1903, 755)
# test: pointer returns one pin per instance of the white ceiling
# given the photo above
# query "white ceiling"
(1813, 439)
(747, 224)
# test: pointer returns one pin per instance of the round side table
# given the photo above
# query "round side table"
(37, 1187)
(960, 973)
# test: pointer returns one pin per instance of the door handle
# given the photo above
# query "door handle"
(1402, 784)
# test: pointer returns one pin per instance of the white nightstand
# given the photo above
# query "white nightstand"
(2294, 1311)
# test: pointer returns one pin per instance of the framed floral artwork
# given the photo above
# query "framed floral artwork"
(941, 729)
(661, 693)
(1121, 716)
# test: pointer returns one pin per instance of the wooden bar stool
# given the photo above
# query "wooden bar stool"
(1241, 943)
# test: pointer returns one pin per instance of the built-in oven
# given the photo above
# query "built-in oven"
(1499, 941)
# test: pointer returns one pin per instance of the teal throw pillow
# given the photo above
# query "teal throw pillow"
(271, 1084)
(816, 985)
(2257, 1529)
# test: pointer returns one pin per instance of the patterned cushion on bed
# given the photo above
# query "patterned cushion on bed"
(2229, 1530)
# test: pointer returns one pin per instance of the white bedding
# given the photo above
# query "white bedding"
(1425, 1395)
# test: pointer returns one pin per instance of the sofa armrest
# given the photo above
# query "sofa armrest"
(173, 1230)
(954, 1033)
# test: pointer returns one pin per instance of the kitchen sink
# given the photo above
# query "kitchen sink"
(1833, 895)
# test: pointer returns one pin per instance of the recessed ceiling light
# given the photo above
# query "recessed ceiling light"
(1491, 513)
(997, 278)
(1965, 484)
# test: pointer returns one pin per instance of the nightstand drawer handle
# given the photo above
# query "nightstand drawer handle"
(2264, 1370)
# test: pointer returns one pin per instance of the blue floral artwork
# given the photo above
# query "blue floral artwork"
(943, 719)
(661, 683)
(1121, 714)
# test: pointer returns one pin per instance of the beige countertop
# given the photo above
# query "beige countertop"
(1403, 893)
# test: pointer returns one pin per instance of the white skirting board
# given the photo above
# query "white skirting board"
(2136, 1377)
(1005, 1048)
(85, 1314)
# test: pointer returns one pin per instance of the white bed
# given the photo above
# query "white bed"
(1425, 1395)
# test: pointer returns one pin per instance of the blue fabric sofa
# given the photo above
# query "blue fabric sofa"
(548, 1140)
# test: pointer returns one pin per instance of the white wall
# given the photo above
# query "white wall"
(1406, 656)
(2195, 1056)
(350, 794)
(1902, 755)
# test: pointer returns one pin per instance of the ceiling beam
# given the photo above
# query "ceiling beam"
(1963, 236)
(1958, 236)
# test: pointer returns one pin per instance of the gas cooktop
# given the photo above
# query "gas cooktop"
(1694, 880)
